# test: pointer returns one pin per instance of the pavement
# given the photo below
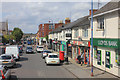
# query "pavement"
(83, 71)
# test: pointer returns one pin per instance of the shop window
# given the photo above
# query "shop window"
(99, 57)
(117, 58)
(108, 59)
(95, 52)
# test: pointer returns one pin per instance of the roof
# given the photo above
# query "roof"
(58, 29)
(79, 22)
(109, 6)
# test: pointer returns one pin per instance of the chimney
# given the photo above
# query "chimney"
(94, 10)
(67, 20)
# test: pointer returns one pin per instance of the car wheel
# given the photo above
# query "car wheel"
(46, 64)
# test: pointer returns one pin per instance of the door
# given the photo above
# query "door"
(107, 59)
(99, 57)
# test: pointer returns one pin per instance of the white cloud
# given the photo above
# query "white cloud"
(31, 14)
(81, 6)
(52, 0)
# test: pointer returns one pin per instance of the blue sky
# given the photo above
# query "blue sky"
(28, 15)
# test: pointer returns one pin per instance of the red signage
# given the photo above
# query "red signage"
(69, 45)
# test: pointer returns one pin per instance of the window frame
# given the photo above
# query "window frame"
(101, 23)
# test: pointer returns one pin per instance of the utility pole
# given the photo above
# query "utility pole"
(98, 4)
(91, 37)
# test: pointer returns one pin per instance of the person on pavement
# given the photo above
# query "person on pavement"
(79, 59)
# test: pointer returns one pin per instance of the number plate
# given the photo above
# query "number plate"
(5, 62)
(53, 61)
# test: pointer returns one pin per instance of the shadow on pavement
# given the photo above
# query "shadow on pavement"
(54, 64)
(13, 77)
(23, 59)
(16, 66)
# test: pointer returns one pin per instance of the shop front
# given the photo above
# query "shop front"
(58, 46)
(81, 48)
(106, 54)
(63, 47)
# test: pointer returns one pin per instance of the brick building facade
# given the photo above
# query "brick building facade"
(44, 29)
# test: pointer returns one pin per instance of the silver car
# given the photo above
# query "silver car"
(7, 60)
(5, 73)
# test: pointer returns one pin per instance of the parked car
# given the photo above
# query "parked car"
(52, 58)
(5, 73)
(40, 48)
(29, 49)
(45, 52)
(13, 49)
(7, 60)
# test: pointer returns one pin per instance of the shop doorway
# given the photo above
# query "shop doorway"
(107, 59)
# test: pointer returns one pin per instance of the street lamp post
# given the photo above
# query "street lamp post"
(91, 37)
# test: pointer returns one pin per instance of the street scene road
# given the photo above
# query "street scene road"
(60, 39)
(33, 66)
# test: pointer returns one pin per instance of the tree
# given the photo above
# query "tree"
(17, 33)
(5, 39)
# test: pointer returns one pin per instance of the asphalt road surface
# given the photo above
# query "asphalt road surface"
(33, 66)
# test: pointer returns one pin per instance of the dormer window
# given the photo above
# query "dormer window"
(100, 22)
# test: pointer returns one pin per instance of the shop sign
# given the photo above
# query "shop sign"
(63, 42)
(112, 43)
(84, 43)
(75, 42)
(69, 45)
(80, 42)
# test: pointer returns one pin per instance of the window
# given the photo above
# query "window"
(85, 32)
(50, 26)
(68, 35)
(43, 33)
(76, 33)
(43, 28)
(100, 22)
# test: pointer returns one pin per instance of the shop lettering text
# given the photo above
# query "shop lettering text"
(107, 43)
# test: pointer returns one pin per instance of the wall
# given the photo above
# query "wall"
(111, 26)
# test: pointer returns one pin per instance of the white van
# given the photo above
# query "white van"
(13, 49)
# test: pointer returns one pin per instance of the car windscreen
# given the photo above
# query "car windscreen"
(47, 52)
(29, 47)
(53, 56)
(5, 57)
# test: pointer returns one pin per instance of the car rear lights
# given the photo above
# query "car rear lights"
(12, 60)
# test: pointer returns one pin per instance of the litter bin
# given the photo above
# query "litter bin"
(61, 56)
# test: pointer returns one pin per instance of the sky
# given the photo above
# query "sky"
(28, 15)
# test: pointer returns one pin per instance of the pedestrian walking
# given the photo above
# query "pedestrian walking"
(80, 59)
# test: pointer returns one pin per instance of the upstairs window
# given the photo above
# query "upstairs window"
(100, 22)
(76, 33)
(85, 32)
(50, 26)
